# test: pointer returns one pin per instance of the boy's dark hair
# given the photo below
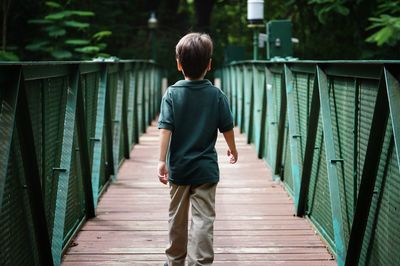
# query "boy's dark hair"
(194, 52)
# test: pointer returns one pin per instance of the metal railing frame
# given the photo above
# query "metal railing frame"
(241, 86)
(138, 93)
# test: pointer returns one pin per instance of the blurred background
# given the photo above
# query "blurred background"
(150, 29)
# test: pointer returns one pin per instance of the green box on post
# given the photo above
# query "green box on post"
(279, 40)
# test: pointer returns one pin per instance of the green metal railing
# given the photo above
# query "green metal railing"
(330, 130)
(65, 128)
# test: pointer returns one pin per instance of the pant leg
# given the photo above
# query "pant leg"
(178, 225)
(200, 248)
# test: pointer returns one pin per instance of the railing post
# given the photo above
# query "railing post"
(124, 112)
(259, 102)
(7, 117)
(64, 168)
(32, 177)
(370, 169)
(281, 129)
(294, 136)
(117, 119)
(234, 84)
(310, 148)
(393, 92)
(331, 164)
(84, 153)
(248, 101)
(271, 120)
(98, 139)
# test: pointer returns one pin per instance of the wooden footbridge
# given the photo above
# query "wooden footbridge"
(317, 182)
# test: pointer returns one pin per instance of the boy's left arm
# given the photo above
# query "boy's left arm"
(165, 136)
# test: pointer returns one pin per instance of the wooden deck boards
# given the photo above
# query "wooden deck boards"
(255, 223)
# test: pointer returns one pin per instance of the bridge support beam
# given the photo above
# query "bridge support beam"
(331, 164)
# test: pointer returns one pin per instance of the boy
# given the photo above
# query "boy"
(192, 111)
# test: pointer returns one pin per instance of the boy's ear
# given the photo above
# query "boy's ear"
(178, 65)
(209, 65)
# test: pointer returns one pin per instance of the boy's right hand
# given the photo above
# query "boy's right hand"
(233, 156)
(162, 172)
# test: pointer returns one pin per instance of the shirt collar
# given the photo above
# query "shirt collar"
(193, 83)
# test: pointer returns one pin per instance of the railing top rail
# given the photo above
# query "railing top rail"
(370, 62)
(41, 63)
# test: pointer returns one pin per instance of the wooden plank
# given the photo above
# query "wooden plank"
(255, 217)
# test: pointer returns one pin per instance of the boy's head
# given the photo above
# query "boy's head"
(193, 53)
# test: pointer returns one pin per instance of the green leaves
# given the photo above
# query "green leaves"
(61, 54)
(37, 46)
(69, 13)
(88, 49)
(77, 42)
(66, 34)
(389, 30)
(101, 34)
(76, 24)
(53, 4)
(8, 56)
(324, 8)
(387, 24)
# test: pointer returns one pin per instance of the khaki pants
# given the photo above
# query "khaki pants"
(199, 247)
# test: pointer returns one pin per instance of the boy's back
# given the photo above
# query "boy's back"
(194, 110)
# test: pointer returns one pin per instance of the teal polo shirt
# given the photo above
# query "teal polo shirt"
(194, 110)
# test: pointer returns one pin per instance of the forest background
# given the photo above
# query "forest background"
(84, 29)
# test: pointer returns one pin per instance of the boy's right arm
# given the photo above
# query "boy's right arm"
(165, 136)
(230, 140)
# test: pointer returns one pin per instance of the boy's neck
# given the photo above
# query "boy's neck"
(187, 78)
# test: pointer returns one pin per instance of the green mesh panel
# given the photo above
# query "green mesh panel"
(258, 102)
(17, 245)
(301, 112)
(90, 92)
(272, 132)
(146, 96)
(240, 99)
(247, 101)
(287, 164)
(47, 101)
(133, 105)
(342, 104)
(234, 87)
(130, 100)
(318, 201)
(277, 88)
(382, 238)
(75, 211)
(139, 100)
(34, 93)
(2, 88)
(54, 108)
(368, 94)
(104, 174)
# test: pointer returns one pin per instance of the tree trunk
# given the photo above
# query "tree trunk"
(6, 8)
(203, 13)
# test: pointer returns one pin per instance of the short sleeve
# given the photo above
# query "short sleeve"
(166, 118)
(225, 119)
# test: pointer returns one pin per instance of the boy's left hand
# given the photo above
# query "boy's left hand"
(163, 172)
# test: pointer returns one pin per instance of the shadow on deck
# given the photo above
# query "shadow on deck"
(255, 223)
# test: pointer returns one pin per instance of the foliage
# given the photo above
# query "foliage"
(326, 29)
(387, 23)
(324, 8)
(67, 34)
(8, 56)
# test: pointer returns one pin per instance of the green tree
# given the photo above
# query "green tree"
(387, 24)
(67, 34)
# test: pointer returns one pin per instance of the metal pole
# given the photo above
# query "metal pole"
(153, 44)
(255, 43)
